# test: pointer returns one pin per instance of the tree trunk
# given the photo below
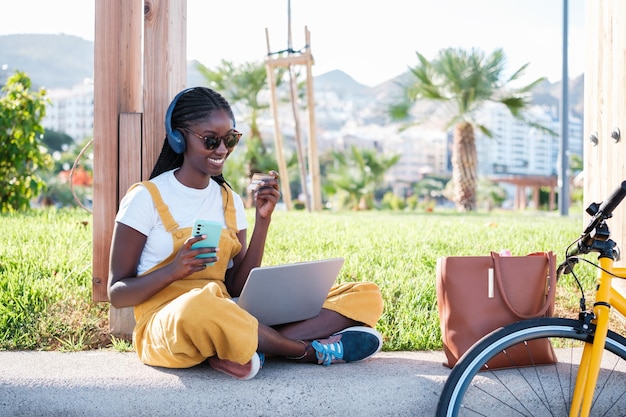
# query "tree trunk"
(464, 162)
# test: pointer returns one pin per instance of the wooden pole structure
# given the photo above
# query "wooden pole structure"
(278, 138)
(140, 64)
(605, 111)
(300, 151)
(117, 90)
(164, 70)
(302, 58)
(314, 161)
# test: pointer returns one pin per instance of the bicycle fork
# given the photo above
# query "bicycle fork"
(589, 369)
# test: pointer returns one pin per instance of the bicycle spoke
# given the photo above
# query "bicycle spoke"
(509, 406)
(602, 388)
(545, 384)
(542, 390)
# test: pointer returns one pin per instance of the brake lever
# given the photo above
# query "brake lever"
(567, 267)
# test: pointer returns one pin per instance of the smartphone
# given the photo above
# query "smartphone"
(212, 230)
(256, 178)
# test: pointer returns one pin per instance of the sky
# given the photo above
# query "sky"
(371, 40)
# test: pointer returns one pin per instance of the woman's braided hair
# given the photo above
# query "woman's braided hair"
(194, 105)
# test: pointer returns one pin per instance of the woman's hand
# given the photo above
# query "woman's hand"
(185, 263)
(126, 289)
(266, 196)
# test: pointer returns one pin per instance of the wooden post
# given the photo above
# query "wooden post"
(300, 151)
(536, 189)
(552, 203)
(305, 58)
(164, 71)
(117, 71)
(314, 161)
(138, 70)
(278, 134)
(605, 110)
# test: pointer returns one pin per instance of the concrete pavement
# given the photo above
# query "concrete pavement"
(109, 383)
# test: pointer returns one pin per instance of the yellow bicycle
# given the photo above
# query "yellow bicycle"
(589, 378)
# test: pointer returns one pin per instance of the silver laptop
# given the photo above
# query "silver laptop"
(287, 293)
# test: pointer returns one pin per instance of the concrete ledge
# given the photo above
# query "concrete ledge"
(109, 383)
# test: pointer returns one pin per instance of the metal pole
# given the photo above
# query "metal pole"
(564, 168)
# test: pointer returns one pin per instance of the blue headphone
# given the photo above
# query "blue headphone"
(175, 137)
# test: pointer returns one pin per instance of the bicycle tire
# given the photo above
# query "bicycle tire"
(540, 390)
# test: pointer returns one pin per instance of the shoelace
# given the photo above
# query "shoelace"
(325, 353)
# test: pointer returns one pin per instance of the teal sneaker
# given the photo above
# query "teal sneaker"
(350, 345)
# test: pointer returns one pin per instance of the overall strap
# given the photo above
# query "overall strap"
(166, 217)
(230, 214)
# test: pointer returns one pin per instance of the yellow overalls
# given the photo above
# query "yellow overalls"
(195, 318)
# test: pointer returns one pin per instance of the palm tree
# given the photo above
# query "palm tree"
(358, 174)
(465, 81)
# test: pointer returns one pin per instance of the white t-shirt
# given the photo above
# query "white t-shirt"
(186, 204)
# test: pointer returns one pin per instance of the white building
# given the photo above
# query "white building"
(71, 111)
(519, 149)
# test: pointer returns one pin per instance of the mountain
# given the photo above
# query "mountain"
(64, 61)
(51, 61)
(341, 83)
(549, 95)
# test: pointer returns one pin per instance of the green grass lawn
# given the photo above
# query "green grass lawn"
(45, 266)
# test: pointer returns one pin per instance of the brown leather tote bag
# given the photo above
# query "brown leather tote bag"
(478, 294)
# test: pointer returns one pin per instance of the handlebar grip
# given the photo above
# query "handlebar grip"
(607, 207)
(603, 212)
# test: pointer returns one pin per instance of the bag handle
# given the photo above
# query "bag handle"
(551, 282)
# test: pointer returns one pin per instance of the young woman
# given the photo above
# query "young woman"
(183, 308)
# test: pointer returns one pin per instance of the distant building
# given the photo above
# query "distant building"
(519, 149)
(71, 111)
(516, 148)
(423, 152)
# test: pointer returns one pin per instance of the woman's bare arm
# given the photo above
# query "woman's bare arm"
(125, 288)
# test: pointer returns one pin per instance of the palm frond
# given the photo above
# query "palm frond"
(539, 127)
(485, 130)
(400, 111)
(515, 104)
(531, 86)
(517, 74)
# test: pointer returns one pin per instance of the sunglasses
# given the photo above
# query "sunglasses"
(213, 142)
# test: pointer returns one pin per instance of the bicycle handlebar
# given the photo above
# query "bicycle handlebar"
(605, 210)
(613, 201)
(596, 235)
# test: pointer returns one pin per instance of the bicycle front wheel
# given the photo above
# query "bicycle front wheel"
(543, 390)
